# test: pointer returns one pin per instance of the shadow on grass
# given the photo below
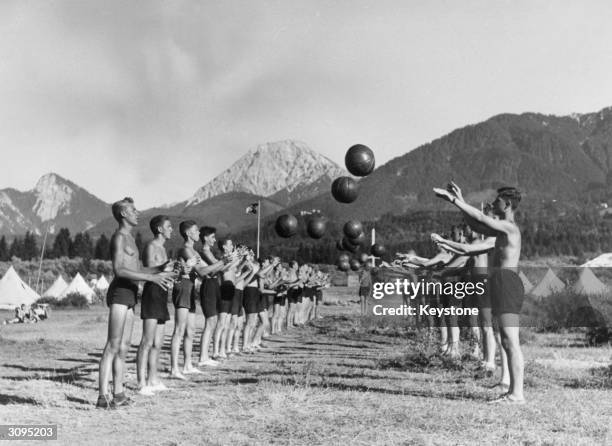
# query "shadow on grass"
(14, 399)
(599, 378)
(75, 376)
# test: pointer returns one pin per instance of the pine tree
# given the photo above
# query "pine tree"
(102, 249)
(61, 244)
(4, 250)
(16, 249)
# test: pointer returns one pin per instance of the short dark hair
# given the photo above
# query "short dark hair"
(119, 206)
(221, 243)
(156, 222)
(206, 231)
(185, 226)
(511, 194)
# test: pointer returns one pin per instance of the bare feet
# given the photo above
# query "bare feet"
(178, 375)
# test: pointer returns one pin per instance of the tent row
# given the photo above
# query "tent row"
(587, 284)
(14, 291)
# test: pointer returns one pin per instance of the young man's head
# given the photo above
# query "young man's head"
(189, 230)
(208, 235)
(457, 233)
(125, 210)
(508, 199)
(226, 245)
(161, 225)
(294, 265)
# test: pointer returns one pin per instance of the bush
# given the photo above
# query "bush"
(48, 300)
(75, 300)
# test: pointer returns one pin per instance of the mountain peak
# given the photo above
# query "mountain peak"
(270, 168)
(53, 193)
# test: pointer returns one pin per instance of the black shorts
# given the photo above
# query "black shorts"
(364, 291)
(250, 300)
(236, 302)
(292, 295)
(183, 295)
(263, 302)
(319, 295)
(279, 299)
(154, 303)
(507, 291)
(210, 296)
(308, 292)
(449, 300)
(122, 292)
(482, 300)
(227, 297)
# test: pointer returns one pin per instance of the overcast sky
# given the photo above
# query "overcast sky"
(154, 99)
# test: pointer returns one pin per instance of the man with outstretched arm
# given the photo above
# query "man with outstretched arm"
(121, 299)
(505, 286)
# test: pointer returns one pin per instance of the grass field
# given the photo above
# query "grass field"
(341, 380)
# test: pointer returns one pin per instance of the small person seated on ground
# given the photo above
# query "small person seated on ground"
(40, 311)
(20, 316)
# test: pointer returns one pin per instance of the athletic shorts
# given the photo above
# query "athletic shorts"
(250, 300)
(308, 292)
(279, 299)
(183, 295)
(210, 296)
(482, 300)
(236, 302)
(270, 300)
(122, 292)
(262, 304)
(154, 303)
(507, 292)
(228, 290)
(449, 300)
(319, 295)
(364, 291)
(292, 295)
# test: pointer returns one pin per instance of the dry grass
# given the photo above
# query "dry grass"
(344, 379)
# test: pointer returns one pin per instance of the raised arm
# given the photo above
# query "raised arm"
(490, 226)
(470, 249)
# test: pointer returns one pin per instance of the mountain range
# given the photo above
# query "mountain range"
(550, 158)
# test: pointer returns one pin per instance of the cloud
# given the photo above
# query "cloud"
(155, 98)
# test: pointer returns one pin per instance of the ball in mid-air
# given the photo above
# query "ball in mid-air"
(359, 160)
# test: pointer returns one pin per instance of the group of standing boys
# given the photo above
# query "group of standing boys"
(243, 300)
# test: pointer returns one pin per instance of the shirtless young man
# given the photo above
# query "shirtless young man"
(453, 265)
(210, 292)
(294, 291)
(121, 299)
(237, 319)
(505, 286)
(153, 311)
(250, 303)
(184, 299)
(228, 289)
(266, 266)
(479, 248)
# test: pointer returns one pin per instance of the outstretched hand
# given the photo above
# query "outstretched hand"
(455, 190)
(436, 238)
(444, 194)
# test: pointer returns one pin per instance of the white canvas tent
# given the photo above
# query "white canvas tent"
(14, 291)
(588, 283)
(56, 289)
(548, 285)
(604, 260)
(526, 283)
(78, 285)
(102, 284)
